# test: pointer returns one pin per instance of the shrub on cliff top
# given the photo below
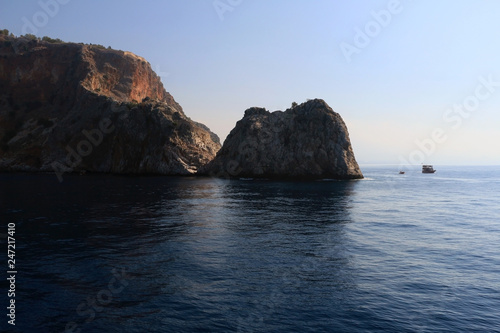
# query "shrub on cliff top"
(30, 36)
(51, 40)
(98, 46)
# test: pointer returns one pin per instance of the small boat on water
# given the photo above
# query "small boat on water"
(427, 169)
(401, 172)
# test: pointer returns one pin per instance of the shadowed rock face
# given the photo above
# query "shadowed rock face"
(70, 107)
(309, 141)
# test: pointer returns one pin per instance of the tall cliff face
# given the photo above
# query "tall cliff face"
(76, 107)
(308, 141)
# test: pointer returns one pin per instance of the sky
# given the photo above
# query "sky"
(415, 81)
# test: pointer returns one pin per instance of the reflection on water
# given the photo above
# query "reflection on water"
(206, 255)
(201, 253)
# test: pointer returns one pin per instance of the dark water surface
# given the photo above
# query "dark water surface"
(391, 253)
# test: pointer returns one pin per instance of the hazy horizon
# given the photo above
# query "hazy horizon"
(415, 82)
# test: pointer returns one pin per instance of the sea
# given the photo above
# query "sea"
(392, 252)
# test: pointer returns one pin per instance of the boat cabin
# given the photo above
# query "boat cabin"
(427, 169)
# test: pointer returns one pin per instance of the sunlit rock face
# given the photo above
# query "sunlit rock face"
(308, 141)
(67, 107)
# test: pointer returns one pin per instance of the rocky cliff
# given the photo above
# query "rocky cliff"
(308, 141)
(67, 107)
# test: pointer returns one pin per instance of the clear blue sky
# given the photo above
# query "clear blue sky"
(394, 83)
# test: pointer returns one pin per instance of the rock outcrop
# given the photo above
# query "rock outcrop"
(308, 141)
(67, 107)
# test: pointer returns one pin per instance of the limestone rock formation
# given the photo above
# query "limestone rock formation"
(308, 141)
(67, 107)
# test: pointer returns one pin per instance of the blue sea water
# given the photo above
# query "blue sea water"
(390, 253)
